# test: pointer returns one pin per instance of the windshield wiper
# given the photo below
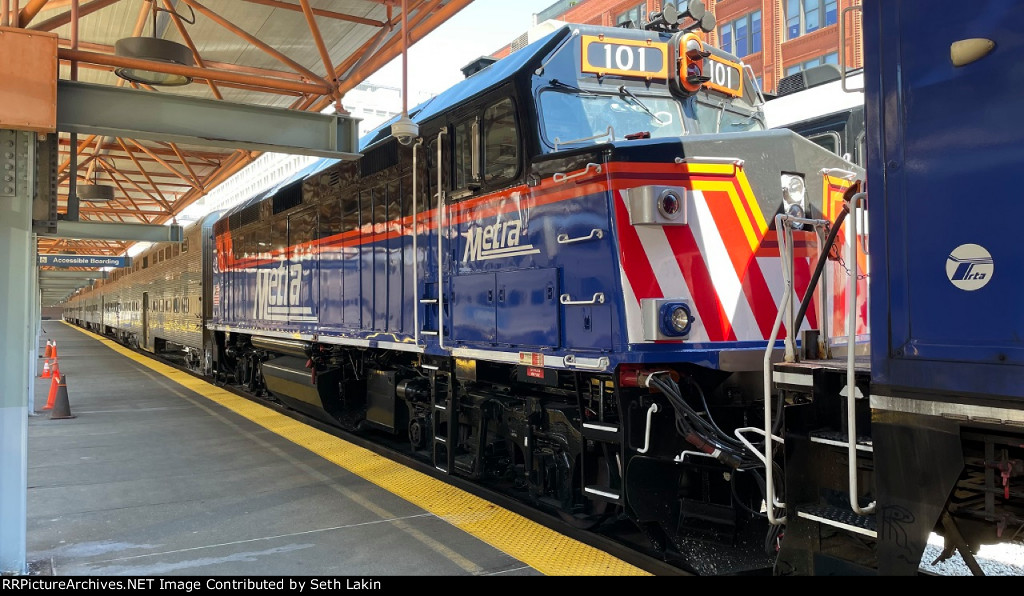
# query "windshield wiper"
(626, 92)
(560, 84)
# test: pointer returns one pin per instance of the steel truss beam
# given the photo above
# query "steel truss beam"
(99, 109)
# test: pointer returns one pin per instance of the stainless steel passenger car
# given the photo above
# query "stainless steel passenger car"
(155, 301)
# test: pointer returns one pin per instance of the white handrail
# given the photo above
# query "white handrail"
(784, 231)
(594, 233)
(647, 435)
(781, 227)
(415, 246)
(440, 241)
(851, 353)
(567, 300)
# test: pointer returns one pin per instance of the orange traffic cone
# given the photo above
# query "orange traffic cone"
(46, 370)
(52, 397)
(53, 352)
(62, 409)
(49, 349)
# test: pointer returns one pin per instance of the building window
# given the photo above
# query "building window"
(807, 16)
(832, 58)
(634, 17)
(742, 36)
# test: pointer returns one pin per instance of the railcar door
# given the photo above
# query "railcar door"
(145, 320)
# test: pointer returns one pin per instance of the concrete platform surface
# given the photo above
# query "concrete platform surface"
(158, 475)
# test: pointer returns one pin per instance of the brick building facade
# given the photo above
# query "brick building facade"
(775, 37)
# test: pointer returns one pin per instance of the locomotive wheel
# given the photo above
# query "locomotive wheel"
(417, 433)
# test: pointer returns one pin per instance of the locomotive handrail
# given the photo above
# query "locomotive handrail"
(595, 233)
(610, 133)
(735, 162)
(415, 251)
(647, 433)
(851, 354)
(753, 77)
(540, 69)
(842, 49)
(567, 300)
(440, 237)
(784, 230)
(739, 435)
(562, 177)
(570, 360)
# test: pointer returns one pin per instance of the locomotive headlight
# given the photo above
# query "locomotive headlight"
(670, 204)
(796, 211)
(793, 189)
(676, 319)
(793, 193)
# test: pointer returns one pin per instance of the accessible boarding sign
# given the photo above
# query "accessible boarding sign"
(84, 261)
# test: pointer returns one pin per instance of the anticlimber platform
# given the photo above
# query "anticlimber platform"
(159, 474)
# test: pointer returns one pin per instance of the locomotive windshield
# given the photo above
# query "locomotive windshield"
(726, 118)
(572, 114)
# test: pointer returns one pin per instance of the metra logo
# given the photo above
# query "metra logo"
(969, 267)
(278, 293)
(498, 240)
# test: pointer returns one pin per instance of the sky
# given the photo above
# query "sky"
(480, 29)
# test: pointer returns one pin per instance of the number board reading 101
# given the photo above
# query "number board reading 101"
(626, 57)
(725, 76)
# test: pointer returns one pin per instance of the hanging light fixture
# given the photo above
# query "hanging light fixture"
(154, 49)
(93, 192)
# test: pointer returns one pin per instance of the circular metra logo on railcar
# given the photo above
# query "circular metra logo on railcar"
(969, 267)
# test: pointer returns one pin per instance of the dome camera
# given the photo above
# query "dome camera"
(405, 130)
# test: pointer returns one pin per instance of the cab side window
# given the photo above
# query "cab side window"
(501, 142)
(485, 148)
(464, 141)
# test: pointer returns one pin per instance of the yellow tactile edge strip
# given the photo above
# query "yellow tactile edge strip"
(546, 551)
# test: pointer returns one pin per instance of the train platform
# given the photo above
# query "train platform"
(158, 473)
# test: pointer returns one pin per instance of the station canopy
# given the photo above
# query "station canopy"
(291, 54)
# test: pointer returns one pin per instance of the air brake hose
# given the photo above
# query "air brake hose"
(820, 266)
(826, 250)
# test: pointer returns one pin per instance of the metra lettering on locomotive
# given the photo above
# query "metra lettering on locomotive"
(565, 286)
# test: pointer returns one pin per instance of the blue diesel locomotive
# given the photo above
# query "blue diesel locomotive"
(563, 286)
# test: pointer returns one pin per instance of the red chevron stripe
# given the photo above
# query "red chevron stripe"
(633, 258)
(698, 279)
